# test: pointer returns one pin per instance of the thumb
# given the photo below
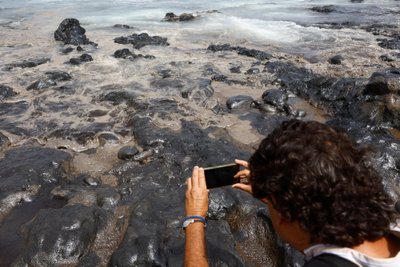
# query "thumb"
(244, 187)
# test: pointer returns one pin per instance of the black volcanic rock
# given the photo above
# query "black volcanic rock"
(29, 63)
(171, 17)
(70, 32)
(83, 58)
(260, 55)
(6, 92)
(140, 40)
(336, 60)
(239, 102)
(41, 84)
(323, 9)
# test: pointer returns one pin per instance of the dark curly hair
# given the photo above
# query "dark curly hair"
(317, 176)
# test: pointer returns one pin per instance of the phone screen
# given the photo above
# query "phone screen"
(221, 175)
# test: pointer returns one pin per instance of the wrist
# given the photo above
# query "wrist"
(200, 220)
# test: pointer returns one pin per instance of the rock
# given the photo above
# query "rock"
(277, 98)
(41, 84)
(97, 113)
(83, 58)
(124, 53)
(252, 71)
(66, 50)
(64, 238)
(336, 60)
(6, 92)
(127, 152)
(117, 97)
(108, 138)
(79, 48)
(13, 108)
(381, 83)
(91, 181)
(36, 167)
(356, 1)
(260, 55)
(122, 26)
(30, 63)
(241, 102)
(140, 40)
(4, 141)
(171, 17)
(323, 9)
(235, 69)
(70, 32)
(386, 58)
(58, 76)
(392, 43)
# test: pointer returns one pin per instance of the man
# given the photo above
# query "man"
(323, 197)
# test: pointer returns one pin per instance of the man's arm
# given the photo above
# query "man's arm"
(196, 205)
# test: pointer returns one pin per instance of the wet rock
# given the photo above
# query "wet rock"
(36, 167)
(70, 32)
(83, 58)
(392, 43)
(126, 54)
(97, 113)
(58, 76)
(67, 50)
(91, 181)
(140, 40)
(117, 97)
(224, 78)
(241, 102)
(127, 152)
(260, 55)
(13, 108)
(199, 91)
(323, 9)
(171, 17)
(386, 58)
(4, 141)
(41, 84)
(143, 156)
(6, 92)
(63, 239)
(235, 69)
(253, 71)
(30, 63)
(277, 98)
(79, 48)
(336, 60)
(108, 138)
(381, 83)
(122, 26)
(356, 1)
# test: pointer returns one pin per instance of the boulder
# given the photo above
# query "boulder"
(336, 60)
(171, 17)
(6, 92)
(29, 63)
(70, 32)
(323, 9)
(127, 152)
(83, 58)
(41, 84)
(140, 40)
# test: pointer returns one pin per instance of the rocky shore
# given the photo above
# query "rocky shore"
(97, 137)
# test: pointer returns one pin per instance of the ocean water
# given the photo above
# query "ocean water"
(280, 22)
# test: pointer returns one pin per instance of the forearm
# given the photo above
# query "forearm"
(195, 246)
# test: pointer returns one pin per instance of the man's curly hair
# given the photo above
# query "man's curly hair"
(318, 177)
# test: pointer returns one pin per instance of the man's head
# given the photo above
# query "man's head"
(316, 176)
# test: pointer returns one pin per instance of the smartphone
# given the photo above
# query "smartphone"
(221, 175)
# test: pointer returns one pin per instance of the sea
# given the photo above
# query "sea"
(283, 23)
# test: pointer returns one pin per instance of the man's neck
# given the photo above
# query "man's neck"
(385, 247)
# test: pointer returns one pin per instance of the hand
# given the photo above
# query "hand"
(243, 174)
(197, 194)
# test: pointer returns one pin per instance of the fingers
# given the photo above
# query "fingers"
(189, 184)
(242, 163)
(243, 174)
(202, 178)
(195, 177)
(244, 187)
